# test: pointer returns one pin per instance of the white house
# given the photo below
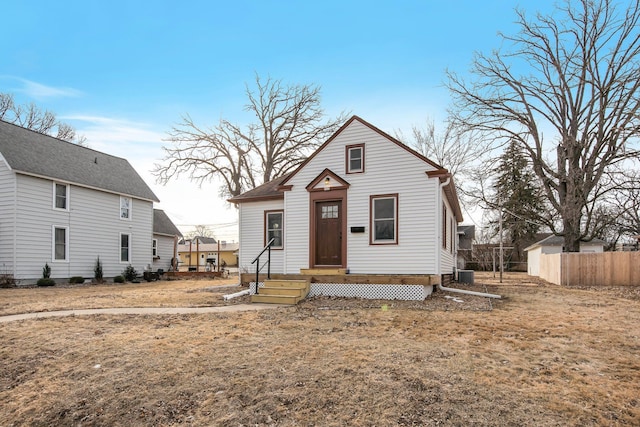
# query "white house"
(553, 245)
(363, 204)
(66, 205)
(165, 242)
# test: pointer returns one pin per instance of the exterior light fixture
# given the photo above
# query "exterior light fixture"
(327, 184)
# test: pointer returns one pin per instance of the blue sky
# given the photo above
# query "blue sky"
(122, 72)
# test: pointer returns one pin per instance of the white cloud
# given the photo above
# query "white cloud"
(40, 91)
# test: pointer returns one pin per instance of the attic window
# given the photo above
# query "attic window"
(125, 207)
(355, 158)
(60, 196)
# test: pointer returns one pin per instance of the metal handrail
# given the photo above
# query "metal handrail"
(268, 263)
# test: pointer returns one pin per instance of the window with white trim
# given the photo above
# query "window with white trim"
(453, 234)
(444, 226)
(384, 219)
(154, 248)
(355, 158)
(125, 247)
(274, 228)
(125, 207)
(60, 196)
(60, 243)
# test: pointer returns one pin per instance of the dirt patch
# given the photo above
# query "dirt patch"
(543, 356)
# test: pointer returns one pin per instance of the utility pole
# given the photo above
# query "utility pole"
(501, 248)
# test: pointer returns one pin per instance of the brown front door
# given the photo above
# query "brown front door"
(329, 233)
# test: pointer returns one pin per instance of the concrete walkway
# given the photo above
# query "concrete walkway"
(141, 310)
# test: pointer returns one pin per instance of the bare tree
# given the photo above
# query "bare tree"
(289, 125)
(573, 75)
(34, 118)
(457, 149)
(199, 231)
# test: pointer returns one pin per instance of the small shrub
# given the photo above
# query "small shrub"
(97, 271)
(7, 280)
(46, 271)
(118, 279)
(46, 281)
(76, 280)
(130, 274)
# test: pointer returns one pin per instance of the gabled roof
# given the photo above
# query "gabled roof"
(31, 153)
(273, 189)
(162, 224)
(554, 240)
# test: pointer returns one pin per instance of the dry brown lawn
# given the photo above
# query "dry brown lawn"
(542, 356)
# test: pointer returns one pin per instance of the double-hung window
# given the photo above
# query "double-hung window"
(355, 158)
(274, 228)
(60, 196)
(154, 248)
(60, 243)
(125, 247)
(125, 207)
(384, 219)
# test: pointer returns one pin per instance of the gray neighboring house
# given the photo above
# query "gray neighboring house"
(165, 241)
(554, 245)
(66, 205)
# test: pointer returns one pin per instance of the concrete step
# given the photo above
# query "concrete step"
(275, 299)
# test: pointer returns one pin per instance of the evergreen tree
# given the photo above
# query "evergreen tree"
(519, 197)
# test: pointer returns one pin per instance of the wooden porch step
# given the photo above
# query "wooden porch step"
(276, 299)
(323, 271)
(282, 291)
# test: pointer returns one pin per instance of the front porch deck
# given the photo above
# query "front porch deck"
(341, 284)
(316, 276)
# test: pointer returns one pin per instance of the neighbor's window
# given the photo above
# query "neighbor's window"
(154, 248)
(60, 196)
(125, 247)
(125, 207)
(384, 219)
(274, 228)
(60, 245)
(355, 158)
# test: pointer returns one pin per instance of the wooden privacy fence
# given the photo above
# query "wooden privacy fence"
(591, 269)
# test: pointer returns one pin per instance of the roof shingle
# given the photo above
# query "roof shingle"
(32, 153)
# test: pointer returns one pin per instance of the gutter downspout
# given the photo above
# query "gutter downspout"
(439, 249)
(439, 230)
(463, 291)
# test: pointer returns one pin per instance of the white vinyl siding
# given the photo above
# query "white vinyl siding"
(252, 235)
(94, 230)
(390, 169)
(164, 252)
(7, 218)
(447, 258)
